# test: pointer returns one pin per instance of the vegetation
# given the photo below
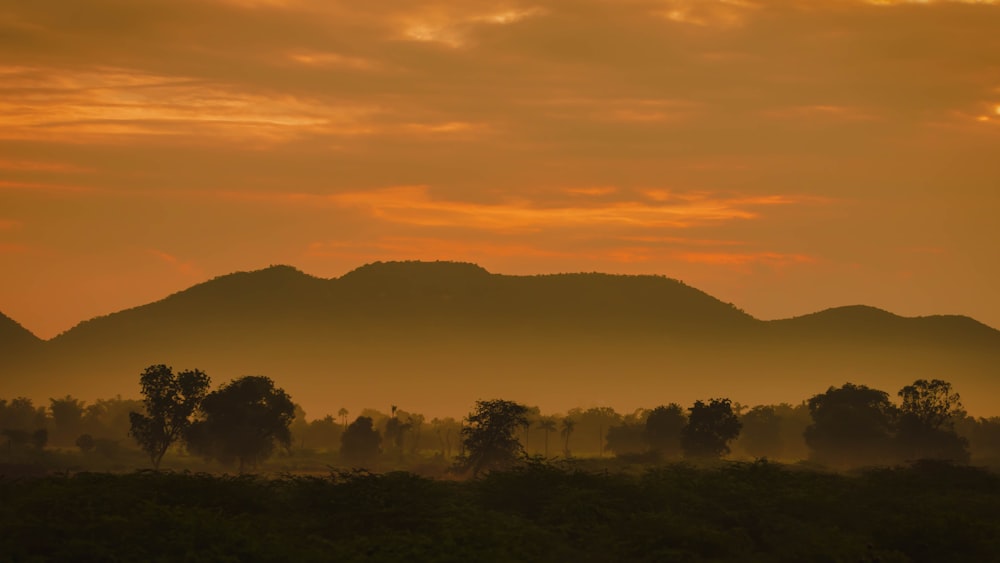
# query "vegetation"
(928, 512)
(170, 402)
(710, 428)
(242, 421)
(922, 504)
(490, 437)
(361, 443)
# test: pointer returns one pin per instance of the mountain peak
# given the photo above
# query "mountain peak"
(412, 268)
(11, 332)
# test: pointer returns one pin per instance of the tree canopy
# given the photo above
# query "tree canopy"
(170, 401)
(663, 429)
(490, 436)
(926, 422)
(360, 443)
(710, 428)
(243, 421)
(851, 424)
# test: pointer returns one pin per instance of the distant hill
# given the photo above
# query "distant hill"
(435, 336)
(15, 339)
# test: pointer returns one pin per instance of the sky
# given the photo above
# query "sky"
(784, 155)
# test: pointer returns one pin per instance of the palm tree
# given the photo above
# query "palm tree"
(568, 425)
(343, 417)
(548, 424)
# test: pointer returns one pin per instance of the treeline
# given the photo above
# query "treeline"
(246, 421)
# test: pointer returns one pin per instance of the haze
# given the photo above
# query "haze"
(785, 156)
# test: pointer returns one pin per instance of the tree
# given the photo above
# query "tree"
(547, 424)
(761, 435)
(109, 418)
(490, 437)
(85, 442)
(342, 413)
(626, 438)
(170, 402)
(852, 424)
(926, 425)
(360, 443)
(444, 429)
(16, 438)
(324, 433)
(243, 421)
(395, 432)
(67, 417)
(39, 438)
(595, 422)
(566, 430)
(709, 429)
(663, 429)
(21, 414)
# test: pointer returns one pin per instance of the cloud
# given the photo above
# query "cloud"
(743, 258)
(45, 187)
(630, 134)
(414, 205)
(187, 268)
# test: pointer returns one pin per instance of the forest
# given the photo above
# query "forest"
(241, 473)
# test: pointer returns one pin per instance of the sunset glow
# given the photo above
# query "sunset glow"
(780, 155)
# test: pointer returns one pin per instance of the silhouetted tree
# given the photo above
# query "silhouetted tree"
(85, 442)
(851, 424)
(566, 430)
(445, 429)
(626, 438)
(324, 433)
(926, 426)
(67, 418)
(170, 402)
(793, 422)
(527, 433)
(761, 434)
(21, 414)
(16, 438)
(342, 413)
(39, 438)
(547, 424)
(416, 422)
(663, 429)
(109, 418)
(709, 429)
(395, 432)
(360, 443)
(490, 436)
(595, 422)
(243, 421)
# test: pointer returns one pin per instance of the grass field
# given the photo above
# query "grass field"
(726, 512)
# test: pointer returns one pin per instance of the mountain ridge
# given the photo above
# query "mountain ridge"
(447, 333)
(283, 276)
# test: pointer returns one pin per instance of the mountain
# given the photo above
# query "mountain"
(435, 336)
(14, 338)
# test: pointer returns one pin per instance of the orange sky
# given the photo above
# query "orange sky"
(785, 155)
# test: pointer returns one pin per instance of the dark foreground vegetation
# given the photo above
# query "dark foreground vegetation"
(725, 511)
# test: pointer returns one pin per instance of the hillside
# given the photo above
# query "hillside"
(15, 340)
(435, 336)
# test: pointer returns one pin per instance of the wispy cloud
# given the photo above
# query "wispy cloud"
(184, 267)
(415, 205)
